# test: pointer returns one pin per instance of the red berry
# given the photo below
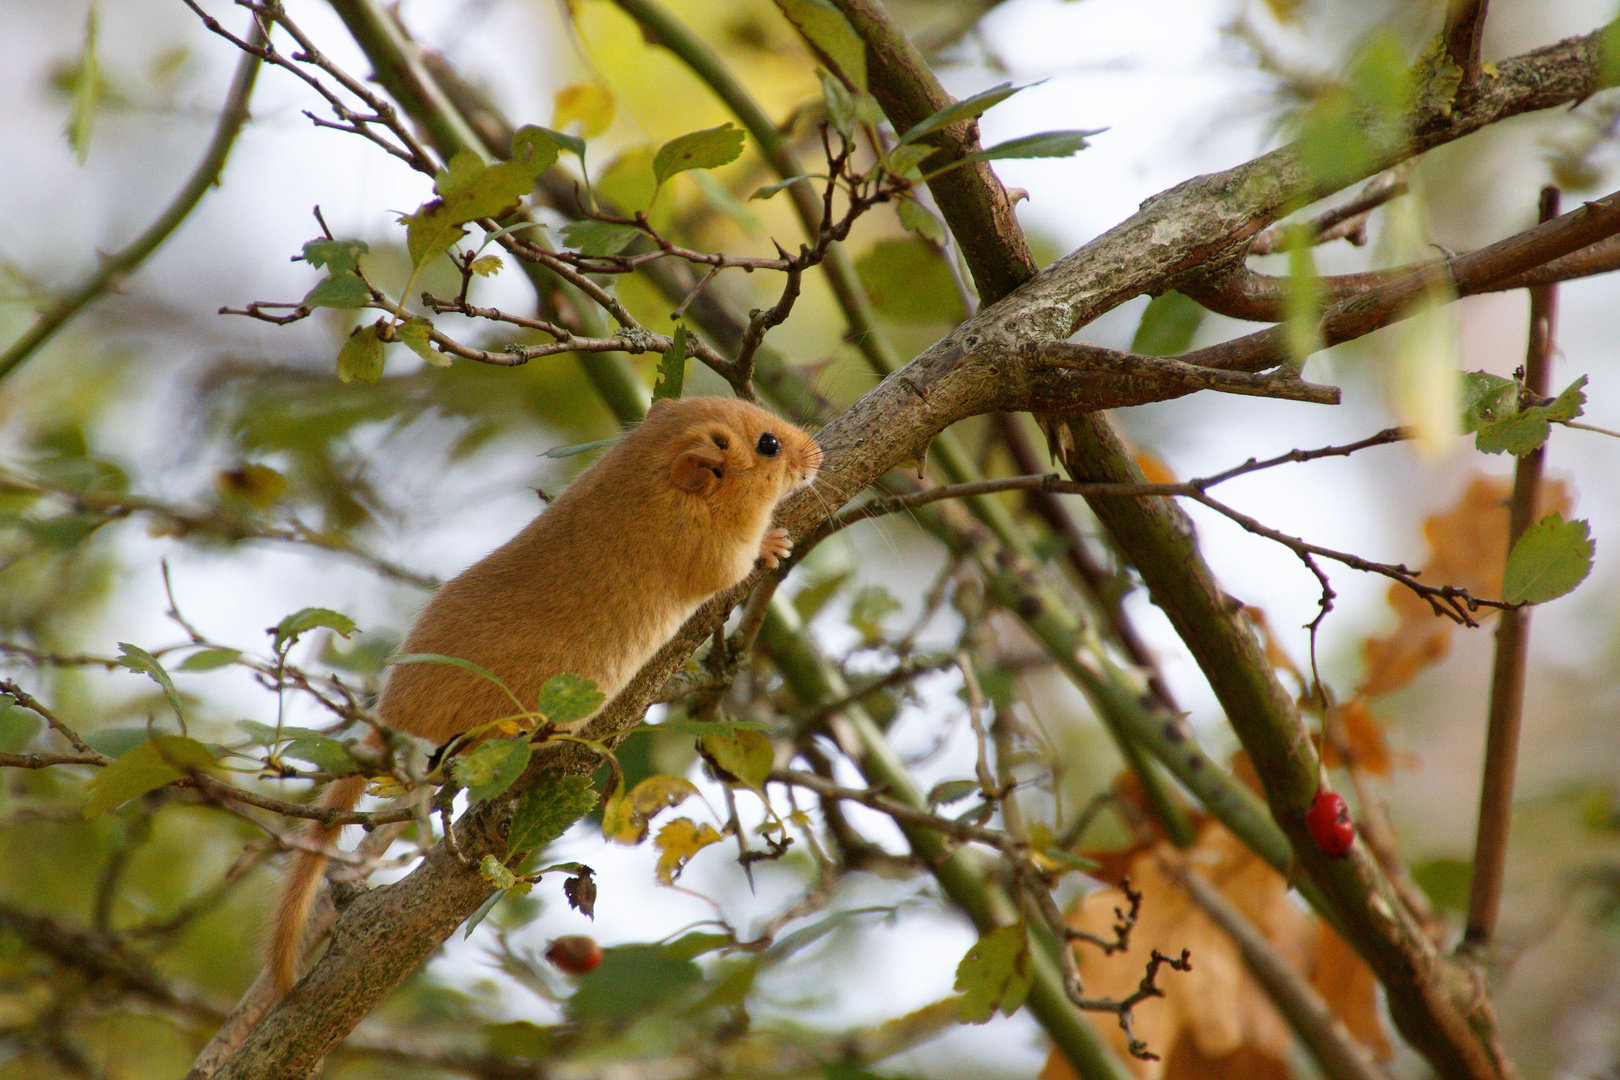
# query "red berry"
(577, 954)
(1328, 821)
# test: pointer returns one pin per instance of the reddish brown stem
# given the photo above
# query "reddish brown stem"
(1512, 644)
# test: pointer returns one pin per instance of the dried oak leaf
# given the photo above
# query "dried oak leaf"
(1215, 1021)
(1467, 548)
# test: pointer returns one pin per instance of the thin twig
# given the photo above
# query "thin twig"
(114, 269)
(1463, 33)
(1348, 220)
(1512, 642)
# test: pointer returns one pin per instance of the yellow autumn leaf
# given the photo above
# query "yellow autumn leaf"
(677, 842)
(627, 816)
(589, 103)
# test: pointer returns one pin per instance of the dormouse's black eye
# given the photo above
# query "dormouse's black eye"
(721, 441)
(770, 445)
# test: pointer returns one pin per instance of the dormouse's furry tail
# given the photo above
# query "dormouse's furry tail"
(286, 948)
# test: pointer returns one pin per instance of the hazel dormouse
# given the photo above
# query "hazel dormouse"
(677, 510)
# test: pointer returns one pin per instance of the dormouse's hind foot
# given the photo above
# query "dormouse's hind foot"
(776, 546)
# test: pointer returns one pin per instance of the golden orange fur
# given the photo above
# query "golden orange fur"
(679, 509)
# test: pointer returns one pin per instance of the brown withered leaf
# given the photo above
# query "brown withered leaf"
(1364, 737)
(1467, 548)
(1215, 1021)
(1275, 653)
(1347, 984)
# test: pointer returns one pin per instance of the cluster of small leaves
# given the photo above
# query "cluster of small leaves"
(1495, 411)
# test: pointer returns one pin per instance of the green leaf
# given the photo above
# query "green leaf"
(957, 112)
(871, 607)
(672, 367)
(706, 149)
(600, 238)
(519, 1039)
(1549, 560)
(995, 974)
(702, 727)
(627, 182)
(362, 356)
(118, 741)
(697, 943)
(906, 161)
(809, 600)
(1349, 125)
(468, 190)
(771, 189)
(537, 147)
(1168, 325)
(485, 908)
(1569, 404)
(1519, 434)
(491, 767)
(87, 88)
(1046, 144)
(338, 256)
(917, 219)
(1487, 398)
(414, 333)
(487, 266)
(746, 755)
(580, 448)
(546, 810)
(732, 988)
(495, 872)
(565, 698)
(430, 231)
(325, 753)
(825, 27)
(840, 104)
(909, 281)
(1071, 860)
(1524, 431)
(210, 660)
(147, 767)
(631, 981)
(17, 726)
(139, 660)
(268, 735)
(949, 791)
(1446, 881)
(1302, 305)
(312, 618)
(343, 290)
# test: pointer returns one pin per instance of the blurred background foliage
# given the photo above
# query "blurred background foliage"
(154, 441)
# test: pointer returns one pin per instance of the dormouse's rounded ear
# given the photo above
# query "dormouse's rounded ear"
(698, 470)
(657, 405)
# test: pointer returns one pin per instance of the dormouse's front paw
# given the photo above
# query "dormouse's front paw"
(774, 548)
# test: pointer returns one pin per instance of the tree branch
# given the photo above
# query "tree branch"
(1464, 30)
(1512, 643)
(1538, 255)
